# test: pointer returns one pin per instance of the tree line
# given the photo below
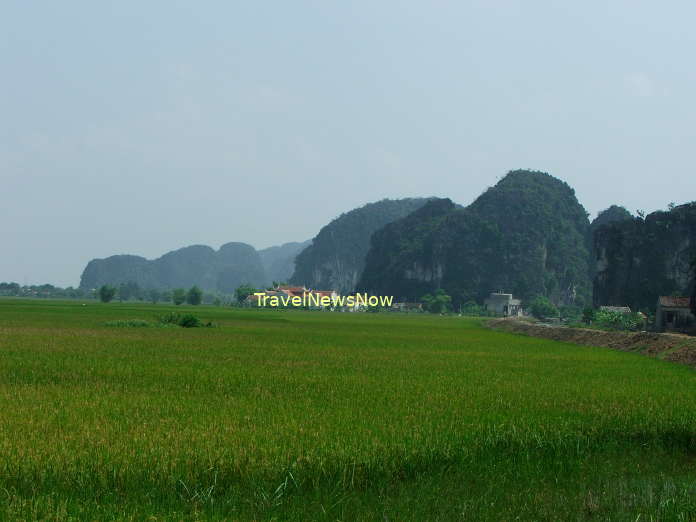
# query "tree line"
(127, 291)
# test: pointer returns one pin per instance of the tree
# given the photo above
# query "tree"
(128, 291)
(437, 303)
(154, 295)
(9, 288)
(106, 293)
(542, 308)
(178, 296)
(244, 291)
(194, 296)
(124, 293)
(471, 308)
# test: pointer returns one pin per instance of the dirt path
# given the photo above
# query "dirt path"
(670, 347)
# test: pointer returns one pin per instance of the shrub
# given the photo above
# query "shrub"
(471, 308)
(618, 321)
(190, 321)
(542, 308)
(183, 320)
(570, 314)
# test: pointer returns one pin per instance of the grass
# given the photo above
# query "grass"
(129, 323)
(169, 320)
(326, 416)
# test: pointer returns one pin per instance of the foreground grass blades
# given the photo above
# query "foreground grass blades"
(293, 415)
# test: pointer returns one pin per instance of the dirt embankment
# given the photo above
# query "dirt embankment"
(671, 347)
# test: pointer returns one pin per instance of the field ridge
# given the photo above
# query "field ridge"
(672, 347)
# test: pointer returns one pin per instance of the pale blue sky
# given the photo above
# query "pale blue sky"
(140, 127)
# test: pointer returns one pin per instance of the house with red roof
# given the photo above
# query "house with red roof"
(674, 313)
(309, 298)
(292, 291)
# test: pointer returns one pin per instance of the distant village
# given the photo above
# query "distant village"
(300, 296)
(672, 313)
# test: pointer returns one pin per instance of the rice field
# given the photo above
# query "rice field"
(274, 415)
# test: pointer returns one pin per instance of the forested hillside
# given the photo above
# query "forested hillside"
(610, 215)
(526, 235)
(336, 257)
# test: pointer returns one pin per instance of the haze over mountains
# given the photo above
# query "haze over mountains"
(333, 260)
(528, 235)
(223, 270)
(279, 261)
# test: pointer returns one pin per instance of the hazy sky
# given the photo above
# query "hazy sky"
(140, 127)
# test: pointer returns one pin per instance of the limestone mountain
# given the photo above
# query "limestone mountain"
(610, 215)
(526, 235)
(637, 260)
(279, 261)
(119, 269)
(336, 257)
(613, 214)
(222, 270)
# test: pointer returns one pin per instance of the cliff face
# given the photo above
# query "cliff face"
(223, 270)
(527, 235)
(336, 257)
(638, 260)
(405, 256)
(612, 214)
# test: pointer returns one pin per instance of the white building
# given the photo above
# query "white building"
(503, 304)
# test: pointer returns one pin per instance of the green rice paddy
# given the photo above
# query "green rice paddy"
(276, 415)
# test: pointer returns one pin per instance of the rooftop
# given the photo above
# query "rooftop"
(674, 302)
(292, 288)
(620, 309)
